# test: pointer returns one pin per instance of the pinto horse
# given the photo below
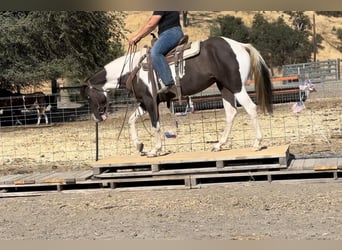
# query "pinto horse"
(19, 103)
(221, 60)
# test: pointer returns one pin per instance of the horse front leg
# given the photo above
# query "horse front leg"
(158, 141)
(132, 128)
(230, 113)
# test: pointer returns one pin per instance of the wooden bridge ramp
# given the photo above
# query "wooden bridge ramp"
(184, 170)
(185, 167)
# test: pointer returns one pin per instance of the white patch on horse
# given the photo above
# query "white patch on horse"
(114, 72)
(242, 57)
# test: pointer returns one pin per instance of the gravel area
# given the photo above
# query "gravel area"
(239, 211)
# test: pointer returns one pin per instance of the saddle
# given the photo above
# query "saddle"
(175, 56)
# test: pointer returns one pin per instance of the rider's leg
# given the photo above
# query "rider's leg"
(166, 41)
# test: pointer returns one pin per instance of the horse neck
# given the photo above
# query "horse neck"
(119, 68)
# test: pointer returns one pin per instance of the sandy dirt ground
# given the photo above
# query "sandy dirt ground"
(239, 211)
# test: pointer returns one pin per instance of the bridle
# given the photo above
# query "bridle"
(100, 108)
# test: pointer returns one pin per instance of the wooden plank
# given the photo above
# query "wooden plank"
(19, 194)
(5, 178)
(155, 181)
(121, 175)
(29, 179)
(187, 157)
(83, 175)
(327, 163)
(308, 164)
(58, 177)
(195, 179)
(297, 164)
(325, 167)
(15, 178)
(339, 163)
(23, 182)
(53, 180)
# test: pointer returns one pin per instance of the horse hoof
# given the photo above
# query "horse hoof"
(140, 147)
(215, 149)
(259, 148)
(151, 155)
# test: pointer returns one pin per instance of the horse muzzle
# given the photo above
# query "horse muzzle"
(100, 118)
(104, 117)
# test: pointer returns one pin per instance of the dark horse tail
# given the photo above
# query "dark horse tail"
(262, 81)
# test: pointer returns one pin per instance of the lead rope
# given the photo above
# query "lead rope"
(131, 51)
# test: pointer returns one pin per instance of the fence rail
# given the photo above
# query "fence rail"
(317, 72)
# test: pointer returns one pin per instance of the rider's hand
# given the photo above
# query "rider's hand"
(134, 40)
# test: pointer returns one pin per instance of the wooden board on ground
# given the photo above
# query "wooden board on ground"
(45, 178)
(193, 162)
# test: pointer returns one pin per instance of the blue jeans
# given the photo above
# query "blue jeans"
(166, 41)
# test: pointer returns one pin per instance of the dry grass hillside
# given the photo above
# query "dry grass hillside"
(200, 22)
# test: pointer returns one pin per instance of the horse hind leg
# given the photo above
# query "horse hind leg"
(230, 113)
(250, 107)
(46, 118)
(42, 113)
(39, 118)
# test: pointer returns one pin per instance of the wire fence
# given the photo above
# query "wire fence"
(309, 121)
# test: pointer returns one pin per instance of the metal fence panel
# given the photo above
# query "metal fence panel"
(317, 72)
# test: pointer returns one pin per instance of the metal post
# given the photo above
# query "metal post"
(338, 72)
(97, 140)
(314, 37)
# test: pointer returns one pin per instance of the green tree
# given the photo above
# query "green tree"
(300, 21)
(38, 46)
(279, 43)
(230, 26)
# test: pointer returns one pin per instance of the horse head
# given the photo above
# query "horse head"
(97, 99)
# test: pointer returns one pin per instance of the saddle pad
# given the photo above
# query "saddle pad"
(193, 50)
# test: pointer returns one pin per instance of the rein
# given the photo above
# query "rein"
(131, 84)
(131, 49)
